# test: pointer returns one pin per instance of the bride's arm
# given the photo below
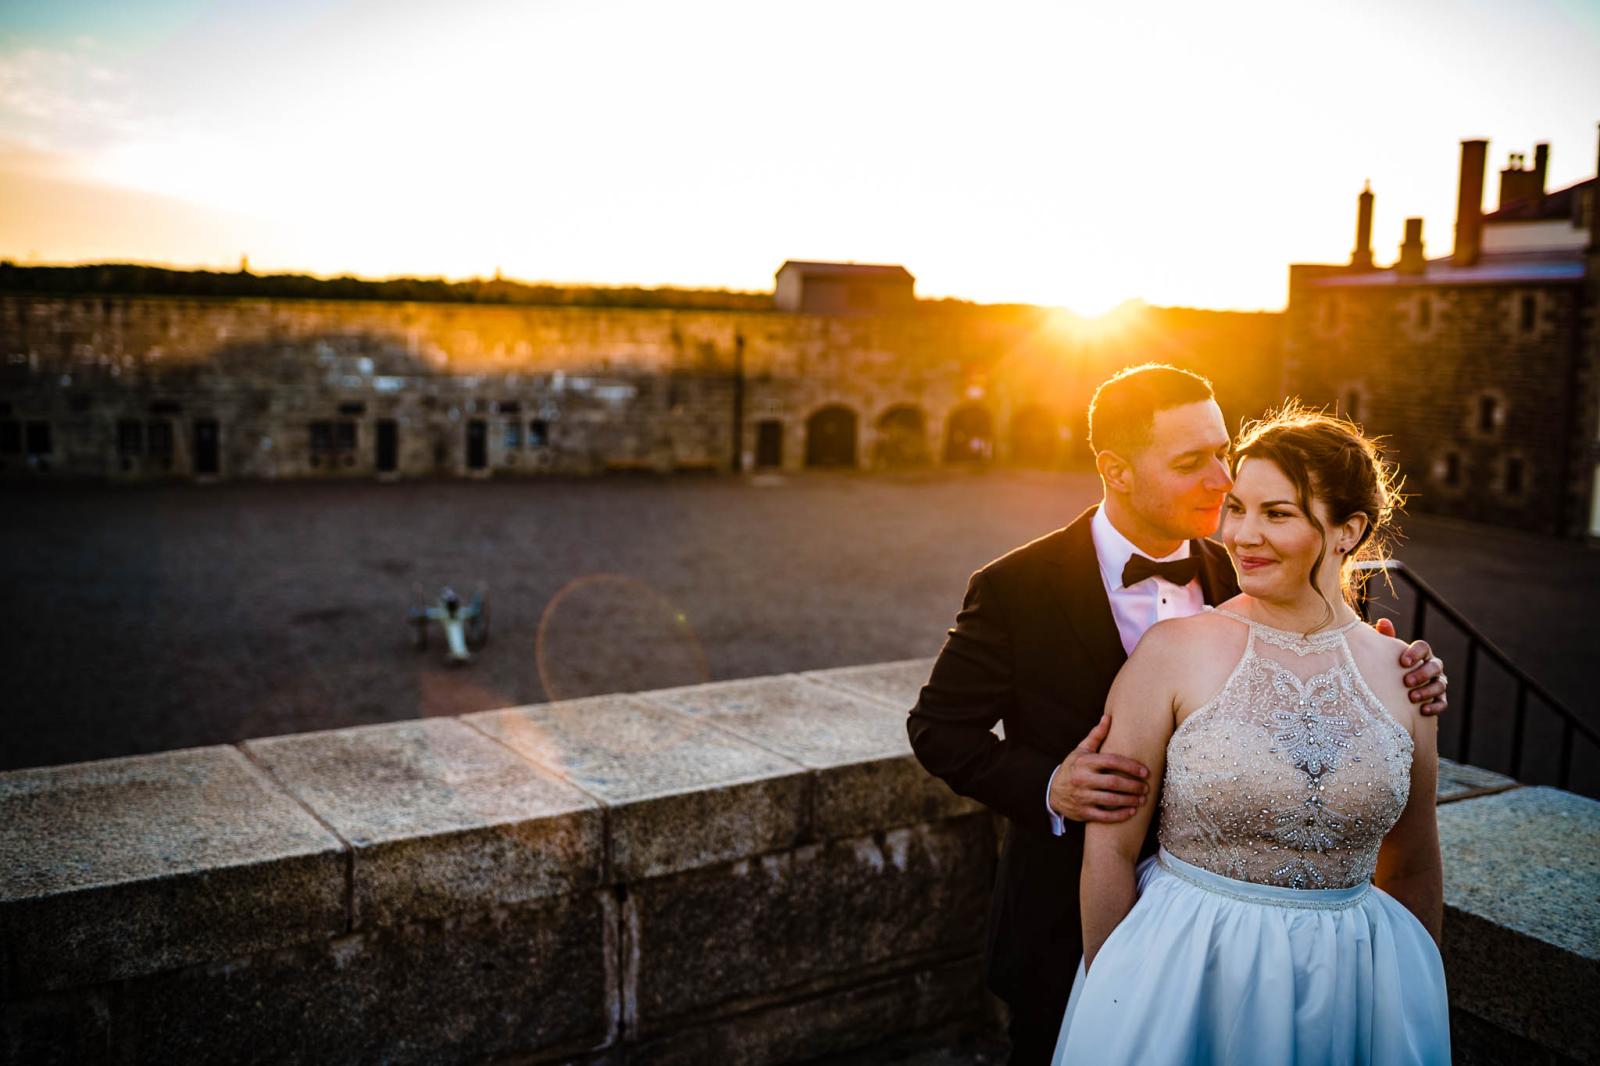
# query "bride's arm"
(1141, 710)
(1409, 868)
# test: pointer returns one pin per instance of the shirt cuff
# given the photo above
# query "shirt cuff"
(1058, 824)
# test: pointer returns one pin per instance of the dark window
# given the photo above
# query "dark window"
(165, 407)
(538, 433)
(477, 444)
(509, 407)
(1352, 405)
(353, 409)
(158, 440)
(1515, 476)
(78, 404)
(344, 436)
(513, 435)
(321, 438)
(10, 437)
(1424, 312)
(769, 442)
(130, 437)
(1452, 468)
(1528, 312)
(388, 445)
(207, 446)
(1488, 414)
(38, 438)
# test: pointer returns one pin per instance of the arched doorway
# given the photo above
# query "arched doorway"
(831, 437)
(902, 438)
(1034, 438)
(969, 435)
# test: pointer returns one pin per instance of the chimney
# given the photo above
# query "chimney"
(1541, 163)
(1469, 203)
(1361, 258)
(1411, 260)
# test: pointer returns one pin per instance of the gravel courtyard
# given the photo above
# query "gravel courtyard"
(148, 618)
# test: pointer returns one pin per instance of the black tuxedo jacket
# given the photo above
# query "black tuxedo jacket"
(1035, 646)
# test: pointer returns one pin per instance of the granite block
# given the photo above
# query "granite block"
(439, 817)
(803, 720)
(866, 776)
(712, 939)
(830, 1024)
(510, 983)
(680, 793)
(897, 684)
(1458, 781)
(1521, 931)
(127, 866)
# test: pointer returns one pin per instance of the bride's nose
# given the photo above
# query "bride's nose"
(1246, 530)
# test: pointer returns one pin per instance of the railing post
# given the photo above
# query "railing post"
(1565, 774)
(1464, 738)
(1516, 730)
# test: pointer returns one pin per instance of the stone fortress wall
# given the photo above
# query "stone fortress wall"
(125, 388)
(750, 871)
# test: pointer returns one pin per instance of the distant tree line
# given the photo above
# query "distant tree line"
(130, 279)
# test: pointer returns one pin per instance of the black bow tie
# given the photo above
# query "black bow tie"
(1178, 571)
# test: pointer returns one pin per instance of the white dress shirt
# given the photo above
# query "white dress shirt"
(1137, 607)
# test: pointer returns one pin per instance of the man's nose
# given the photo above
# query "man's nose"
(1217, 477)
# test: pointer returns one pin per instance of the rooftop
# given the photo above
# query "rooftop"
(1558, 204)
(1491, 269)
(882, 270)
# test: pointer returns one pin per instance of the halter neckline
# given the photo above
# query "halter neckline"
(1314, 638)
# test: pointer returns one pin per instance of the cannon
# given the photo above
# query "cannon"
(465, 625)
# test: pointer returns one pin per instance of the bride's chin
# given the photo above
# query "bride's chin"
(1256, 587)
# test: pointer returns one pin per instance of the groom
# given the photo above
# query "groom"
(1041, 634)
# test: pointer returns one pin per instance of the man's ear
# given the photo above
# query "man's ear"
(1116, 473)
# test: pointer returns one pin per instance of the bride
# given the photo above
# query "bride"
(1295, 772)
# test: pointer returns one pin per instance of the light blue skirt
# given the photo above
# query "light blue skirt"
(1206, 969)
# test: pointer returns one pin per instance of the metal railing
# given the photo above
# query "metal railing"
(1463, 692)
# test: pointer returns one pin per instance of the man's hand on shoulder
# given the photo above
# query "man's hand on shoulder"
(1427, 682)
(1091, 787)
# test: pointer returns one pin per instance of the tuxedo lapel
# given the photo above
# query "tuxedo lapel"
(1218, 583)
(1080, 594)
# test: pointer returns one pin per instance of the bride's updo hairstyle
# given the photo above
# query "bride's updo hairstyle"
(1329, 459)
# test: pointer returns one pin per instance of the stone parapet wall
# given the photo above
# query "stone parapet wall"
(743, 872)
(749, 871)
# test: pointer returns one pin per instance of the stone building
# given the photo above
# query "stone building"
(843, 288)
(1479, 366)
(127, 387)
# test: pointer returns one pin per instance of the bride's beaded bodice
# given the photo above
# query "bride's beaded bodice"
(1293, 773)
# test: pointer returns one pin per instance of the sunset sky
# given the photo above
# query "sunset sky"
(1055, 153)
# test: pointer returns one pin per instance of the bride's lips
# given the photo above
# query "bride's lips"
(1252, 562)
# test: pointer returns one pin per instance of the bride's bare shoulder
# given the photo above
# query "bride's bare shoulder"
(1201, 635)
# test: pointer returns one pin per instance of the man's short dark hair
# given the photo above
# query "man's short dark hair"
(1124, 407)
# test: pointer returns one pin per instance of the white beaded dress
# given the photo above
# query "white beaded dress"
(1258, 936)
